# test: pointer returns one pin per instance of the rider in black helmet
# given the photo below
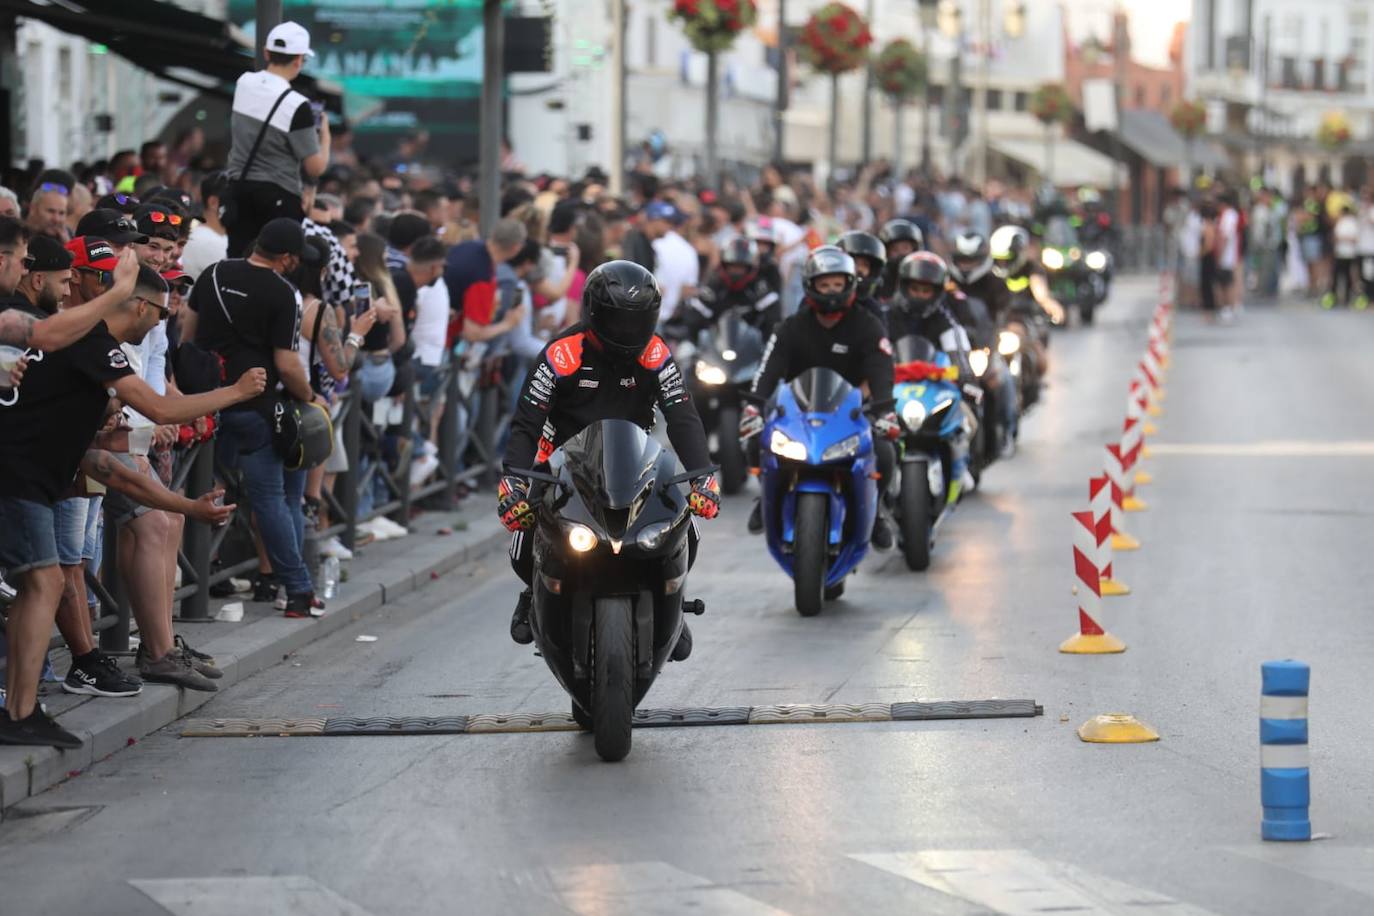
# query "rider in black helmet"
(922, 308)
(902, 237)
(829, 332)
(610, 365)
(870, 260)
(739, 283)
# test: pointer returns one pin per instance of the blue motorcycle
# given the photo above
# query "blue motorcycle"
(819, 495)
(934, 446)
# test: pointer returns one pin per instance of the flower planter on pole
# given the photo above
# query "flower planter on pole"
(835, 41)
(712, 26)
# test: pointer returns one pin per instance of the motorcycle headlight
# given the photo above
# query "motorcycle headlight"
(845, 448)
(1096, 260)
(708, 374)
(581, 538)
(978, 361)
(1008, 343)
(1052, 258)
(787, 448)
(913, 415)
(653, 536)
(728, 355)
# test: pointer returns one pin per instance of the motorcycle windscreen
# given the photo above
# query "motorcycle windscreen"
(913, 348)
(820, 390)
(736, 335)
(612, 465)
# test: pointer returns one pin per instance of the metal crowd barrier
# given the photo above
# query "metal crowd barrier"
(474, 420)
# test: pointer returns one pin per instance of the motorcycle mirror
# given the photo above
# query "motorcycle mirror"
(536, 475)
(690, 475)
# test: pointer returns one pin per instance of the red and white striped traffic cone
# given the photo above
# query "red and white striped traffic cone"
(1133, 438)
(1118, 467)
(1100, 499)
(1090, 639)
(1112, 465)
(1146, 382)
(1159, 345)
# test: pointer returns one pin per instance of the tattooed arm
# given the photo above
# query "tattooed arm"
(338, 354)
(20, 329)
(101, 466)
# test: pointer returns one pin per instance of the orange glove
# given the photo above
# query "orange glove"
(705, 497)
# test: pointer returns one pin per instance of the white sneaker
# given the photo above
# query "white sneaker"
(391, 528)
(422, 469)
(335, 548)
(427, 448)
(377, 532)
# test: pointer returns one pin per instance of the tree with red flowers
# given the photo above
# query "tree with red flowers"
(712, 27)
(835, 40)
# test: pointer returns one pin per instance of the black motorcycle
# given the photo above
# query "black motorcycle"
(611, 557)
(726, 360)
(1022, 342)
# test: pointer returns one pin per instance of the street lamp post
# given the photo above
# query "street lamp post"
(929, 10)
(489, 116)
(780, 102)
(867, 153)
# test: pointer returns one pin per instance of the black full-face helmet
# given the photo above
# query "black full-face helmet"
(900, 231)
(863, 246)
(826, 261)
(921, 282)
(739, 262)
(621, 301)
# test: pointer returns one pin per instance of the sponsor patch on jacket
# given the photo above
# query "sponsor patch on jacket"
(839, 348)
(588, 383)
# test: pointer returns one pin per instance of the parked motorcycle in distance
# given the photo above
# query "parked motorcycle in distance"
(610, 563)
(819, 496)
(934, 446)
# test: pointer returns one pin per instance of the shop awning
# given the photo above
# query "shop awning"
(1074, 163)
(1154, 139)
(164, 39)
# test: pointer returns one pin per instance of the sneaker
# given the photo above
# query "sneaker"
(683, 650)
(422, 469)
(265, 587)
(99, 675)
(175, 668)
(1361, 303)
(375, 530)
(201, 661)
(37, 729)
(520, 630)
(382, 523)
(881, 539)
(304, 605)
(335, 548)
(756, 517)
(1328, 301)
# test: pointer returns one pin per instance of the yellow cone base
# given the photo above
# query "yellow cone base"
(1080, 644)
(1123, 541)
(1145, 452)
(1131, 504)
(1149, 429)
(1154, 410)
(1112, 587)
(1116, 728)
(1142, 478)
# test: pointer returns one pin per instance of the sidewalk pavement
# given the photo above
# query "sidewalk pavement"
(380, 573)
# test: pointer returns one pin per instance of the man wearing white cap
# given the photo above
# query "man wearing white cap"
(276, 135)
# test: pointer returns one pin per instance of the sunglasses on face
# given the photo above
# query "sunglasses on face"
(106, 277)
(163, 310)
(157, 216)
(54, 186)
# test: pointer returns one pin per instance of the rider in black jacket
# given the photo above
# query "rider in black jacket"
(870, 260)
(922, 308)
(902, 237)
(829, 332)
(738, 283)
(971, 269)
(611, 365)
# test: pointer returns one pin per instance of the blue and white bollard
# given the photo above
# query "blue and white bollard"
(1285, 791)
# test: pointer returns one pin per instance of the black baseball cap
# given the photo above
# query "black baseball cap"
(155, 219)
(112, 226)
(46, 253)
(285, 236)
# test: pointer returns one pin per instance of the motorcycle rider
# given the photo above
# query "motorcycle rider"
(737, 284)
(902, 237)
(870, 260)
(970, 268)
(609, 365)
(1012, 263)
(829, 332)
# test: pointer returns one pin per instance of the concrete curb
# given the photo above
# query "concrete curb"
(109, 725)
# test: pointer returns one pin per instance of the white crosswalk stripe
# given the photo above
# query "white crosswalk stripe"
(284, 895)
(649, 889)
(1015, 883)
(1351, 867)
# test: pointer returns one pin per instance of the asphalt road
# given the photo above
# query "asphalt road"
(1255, 548)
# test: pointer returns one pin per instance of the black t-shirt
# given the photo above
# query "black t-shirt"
(264, 314)
(46, 432)
(407, 292)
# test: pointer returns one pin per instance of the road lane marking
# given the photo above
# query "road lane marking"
(1271, 448)
(649, 889)
(283, 895)
(1015, 883)
(1351, 867)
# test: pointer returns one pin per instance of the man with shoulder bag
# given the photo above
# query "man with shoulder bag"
(247, 313)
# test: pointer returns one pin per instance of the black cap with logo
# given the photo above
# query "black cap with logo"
(112, 226)
(46, 253)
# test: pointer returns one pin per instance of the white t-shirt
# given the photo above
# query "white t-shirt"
(677, 267)
(1346, 236)
(430, 332)
(1228, 227)
(204, 247)
(787, 234)
(149, 360)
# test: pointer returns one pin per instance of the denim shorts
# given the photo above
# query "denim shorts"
(69, 523)
(28, 537)
(121, 509)
(94, 529)
(429, 379)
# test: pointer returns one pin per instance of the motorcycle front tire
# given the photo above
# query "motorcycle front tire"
(811, 560)
(613, 677)
(734, 471)
(913, 502)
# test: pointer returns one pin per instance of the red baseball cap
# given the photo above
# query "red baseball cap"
(175, 274)
(92, 252)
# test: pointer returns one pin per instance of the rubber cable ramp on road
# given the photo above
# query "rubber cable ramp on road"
(644, 718)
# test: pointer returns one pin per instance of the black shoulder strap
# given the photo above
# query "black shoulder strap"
(315, 334)
(253, 153)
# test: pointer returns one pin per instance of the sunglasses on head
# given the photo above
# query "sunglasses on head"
(54, 186)
(158, 216)
(125, 200)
